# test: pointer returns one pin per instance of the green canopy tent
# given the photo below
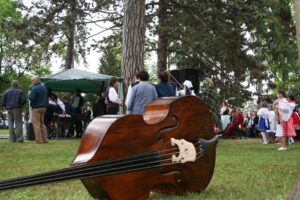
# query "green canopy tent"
(71, 79)
(88, 82)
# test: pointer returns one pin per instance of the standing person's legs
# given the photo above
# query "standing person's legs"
(288, 131)
(265, 137)
(291, 140)
(36, 125)
(285, 141)
(71, 126)
(78, 124)
(44, 134)
(11, 128)
(19, 124)
(68, 128)
(279, 140)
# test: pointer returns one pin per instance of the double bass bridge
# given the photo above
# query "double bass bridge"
(188, 151)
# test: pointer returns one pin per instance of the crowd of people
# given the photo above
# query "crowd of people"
(275, 122)
(52, 117)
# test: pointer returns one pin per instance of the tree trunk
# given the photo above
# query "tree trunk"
(297, 18)
(1, 52)
(70, 36)
(162, 53)
(70, 49)
(133, 39)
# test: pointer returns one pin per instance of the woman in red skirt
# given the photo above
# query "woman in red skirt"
(296, 120)
(285, 128)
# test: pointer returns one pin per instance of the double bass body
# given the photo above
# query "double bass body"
(114, 137)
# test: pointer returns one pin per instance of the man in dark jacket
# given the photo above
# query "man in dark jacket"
(164, 89)
(13, 101)
(77, 105)
(38, 100)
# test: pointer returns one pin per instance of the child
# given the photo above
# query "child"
(263, 123)
(296, 120)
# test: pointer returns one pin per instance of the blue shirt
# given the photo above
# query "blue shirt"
(163, 90)
(142, 94)
(38, 96)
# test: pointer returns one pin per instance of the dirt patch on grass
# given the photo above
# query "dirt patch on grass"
(294, 193)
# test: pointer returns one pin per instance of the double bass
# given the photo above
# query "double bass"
(170, 149)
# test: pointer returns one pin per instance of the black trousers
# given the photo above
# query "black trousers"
(77, 122)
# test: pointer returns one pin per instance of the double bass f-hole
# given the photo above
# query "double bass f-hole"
(162, 131)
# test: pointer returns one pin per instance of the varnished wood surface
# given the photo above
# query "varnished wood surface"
(114, 137)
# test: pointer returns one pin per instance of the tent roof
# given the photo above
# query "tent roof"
(71, 74)
(71, 79)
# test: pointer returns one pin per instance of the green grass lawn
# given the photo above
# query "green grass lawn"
(245, 169)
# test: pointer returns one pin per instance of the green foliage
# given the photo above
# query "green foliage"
(8, 10)
(19, 54)
(278, 51)
(210, 36)
(111, 49)
(231, 41)
(228, 41)
(152, 70)
(242, 168)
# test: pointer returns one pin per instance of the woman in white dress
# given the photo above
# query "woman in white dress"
(272, 120)
(112, 100)
(285, 128)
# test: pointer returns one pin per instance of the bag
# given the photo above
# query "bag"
(112, 108)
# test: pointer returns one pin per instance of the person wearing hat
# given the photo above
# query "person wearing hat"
(188, 89)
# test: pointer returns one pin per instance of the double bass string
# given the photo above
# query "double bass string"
(91, 170)
(80, 168)
(85, 175)
(67, 173)
(86, 166)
